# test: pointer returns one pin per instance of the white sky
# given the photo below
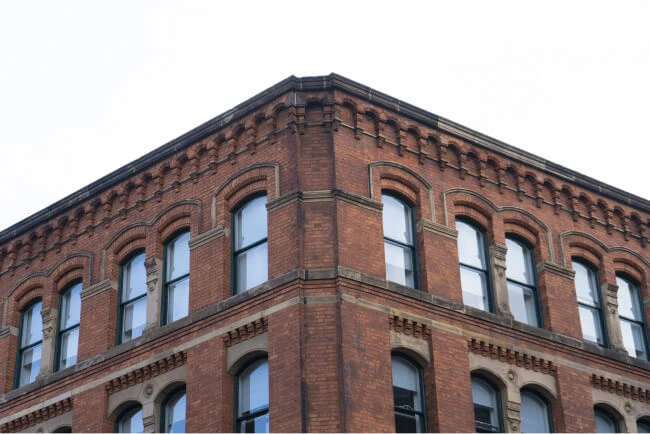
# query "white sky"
(88, 86)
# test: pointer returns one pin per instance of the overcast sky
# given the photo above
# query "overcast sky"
(88, 86)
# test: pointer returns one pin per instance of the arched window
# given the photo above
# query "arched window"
(176, 287)
(67, 339)
(631, 317)
(133, 298)
(130, 421)
(589, 304)
(399, 241)
(605, 422)
(643, 425)
(252, 397)
(31, 342)
(487, 406)
(408, 396)
(472, 255)
(173, 412)
(250, 246)
(522, 283)
(535, 412)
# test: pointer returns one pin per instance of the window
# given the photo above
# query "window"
(31, 342)
(522, 287)
(643, 426)
(535, 413)
(407, 396)
(487, 406)
(130, 421)
(474, 278)
(133, 298)
(604, 421)
(253, 398)
(589, 304)
(631, 317)
(176, 288)
(250, 245)
(67, 339)
(399, 241)
(173, 413)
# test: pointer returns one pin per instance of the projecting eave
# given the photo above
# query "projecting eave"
(320, 83)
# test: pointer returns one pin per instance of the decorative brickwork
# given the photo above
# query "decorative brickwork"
(512, 357)
(619, 388)
(409, 327)
(245, 332)
(146, 372)
(38, 416)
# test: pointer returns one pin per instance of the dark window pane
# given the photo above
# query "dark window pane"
(405, 423)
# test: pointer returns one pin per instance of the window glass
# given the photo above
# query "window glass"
(174, 413)
(588, 294)
(250, 245)
(31, 340)
(519, 260)
(473, 266)
(397, 220)
(133, 302)
(253, 398)
(487, 415)
(399, 246)
(177, 278)
(522, 290)
(643, 426)
(535, 413)
(631, 317)
(131, 421)
(604, 422)
(250, 223)
(407, 396)
(69, 318)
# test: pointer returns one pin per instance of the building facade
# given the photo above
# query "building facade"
(324, 257)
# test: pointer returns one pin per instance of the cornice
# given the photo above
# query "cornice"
(292, 87)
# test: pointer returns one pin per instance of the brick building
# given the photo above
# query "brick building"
(324, 257)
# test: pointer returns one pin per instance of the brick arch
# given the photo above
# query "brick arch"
(528, 227)
(180, 215)
(258, 178)
(582, 245)
(469, 204)
(72, 267)
(386, 175)
(24, 292)
(129, 239)
(630, 263)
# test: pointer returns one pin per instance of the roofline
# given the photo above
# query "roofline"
(319, 83)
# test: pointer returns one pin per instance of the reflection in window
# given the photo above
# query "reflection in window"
(31, 342)
(130, 421)
(589, 305)
(399, 241)
(487, 409)
(522, 287)
(631, 317)
(535, 413)
(250, 250)
(176, 288)
(133, 298)
(407, 396)
(605, 422)
(68, 335)
(253, 398)
(472, 256)
(173, 413)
